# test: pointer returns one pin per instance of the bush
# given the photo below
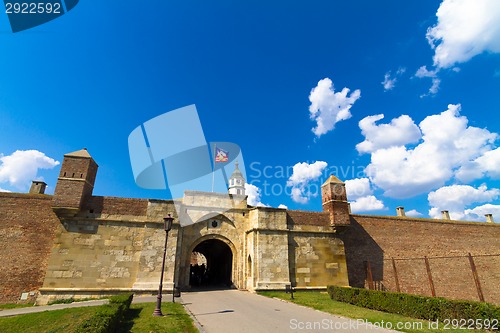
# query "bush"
(62, 301)
(107, 317)
(415, 306)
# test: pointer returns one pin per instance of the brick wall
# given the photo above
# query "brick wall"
(302, 217)
(75, 183)
(117, 206)
(408, 241)
(27, 229)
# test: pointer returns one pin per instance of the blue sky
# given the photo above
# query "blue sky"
(269, 77)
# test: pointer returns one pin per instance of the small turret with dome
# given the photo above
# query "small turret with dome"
(237, 181)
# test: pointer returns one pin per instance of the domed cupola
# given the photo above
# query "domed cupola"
(237, 182)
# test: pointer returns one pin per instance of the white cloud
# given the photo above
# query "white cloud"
(368, 203)
(254, 195)
(400, 131)
(21, 167)
(282, 206)
(455, 198)
(436, 82)
(434, 87)
(487, 164)
(447, 144)
(303, 174)
(357, 188)
(424, 72)
(413, 213)
(329, 107)
(390, 81)
(361, 197)
(3, 190)
(478, 213)
(465, 28)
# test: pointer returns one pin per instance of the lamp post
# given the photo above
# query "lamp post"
(167, 226)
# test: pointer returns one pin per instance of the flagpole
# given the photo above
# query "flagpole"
(213, 170)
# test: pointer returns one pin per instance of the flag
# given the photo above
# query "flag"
(221, 155)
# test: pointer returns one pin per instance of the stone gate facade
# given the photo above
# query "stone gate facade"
(75, 244)
(105, 244)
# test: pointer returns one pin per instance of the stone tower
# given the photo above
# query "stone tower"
(75, 182)
(237, 182)
(334, 199)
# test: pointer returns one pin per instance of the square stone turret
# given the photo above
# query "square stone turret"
(334, 199)
(75, 183)
(38, 187)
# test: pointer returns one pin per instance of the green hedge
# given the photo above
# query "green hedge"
(415, 306)
(107, 317)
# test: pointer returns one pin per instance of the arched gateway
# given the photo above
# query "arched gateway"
(216, 271)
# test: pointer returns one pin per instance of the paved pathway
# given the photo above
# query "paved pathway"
(238, 311)
(33, 309)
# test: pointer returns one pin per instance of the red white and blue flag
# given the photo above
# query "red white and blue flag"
(221, 155)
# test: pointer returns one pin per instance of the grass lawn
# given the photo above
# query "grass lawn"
(321, 301)
(14, 306)
(49, 321)
(140, 319)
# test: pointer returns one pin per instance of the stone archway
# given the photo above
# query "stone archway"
(220, 268)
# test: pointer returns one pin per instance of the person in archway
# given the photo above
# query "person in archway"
(201, 274)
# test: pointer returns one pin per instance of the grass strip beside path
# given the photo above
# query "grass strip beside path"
(139, 319)
(65, 320)
(321, 301)
(10, 306)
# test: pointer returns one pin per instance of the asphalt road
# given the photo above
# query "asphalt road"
(222, 311)
(239, 311)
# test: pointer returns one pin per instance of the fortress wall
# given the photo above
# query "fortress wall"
(104, 256)
(271, 257)
(27, 230)
(409, 240)
(317, 260)
(117, 206)
(300, 217)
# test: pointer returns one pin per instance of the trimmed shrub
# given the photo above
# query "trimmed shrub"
(415, 306)
(107, 317)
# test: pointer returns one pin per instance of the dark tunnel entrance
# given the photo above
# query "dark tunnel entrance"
(211, 265)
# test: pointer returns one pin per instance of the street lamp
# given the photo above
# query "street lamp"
(167, 226)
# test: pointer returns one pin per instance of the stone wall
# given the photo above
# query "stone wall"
(271, 259)
(27, 230)
(119, 246)
(409, 240)
(317, 256)
(319, 260)
(116, 244)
